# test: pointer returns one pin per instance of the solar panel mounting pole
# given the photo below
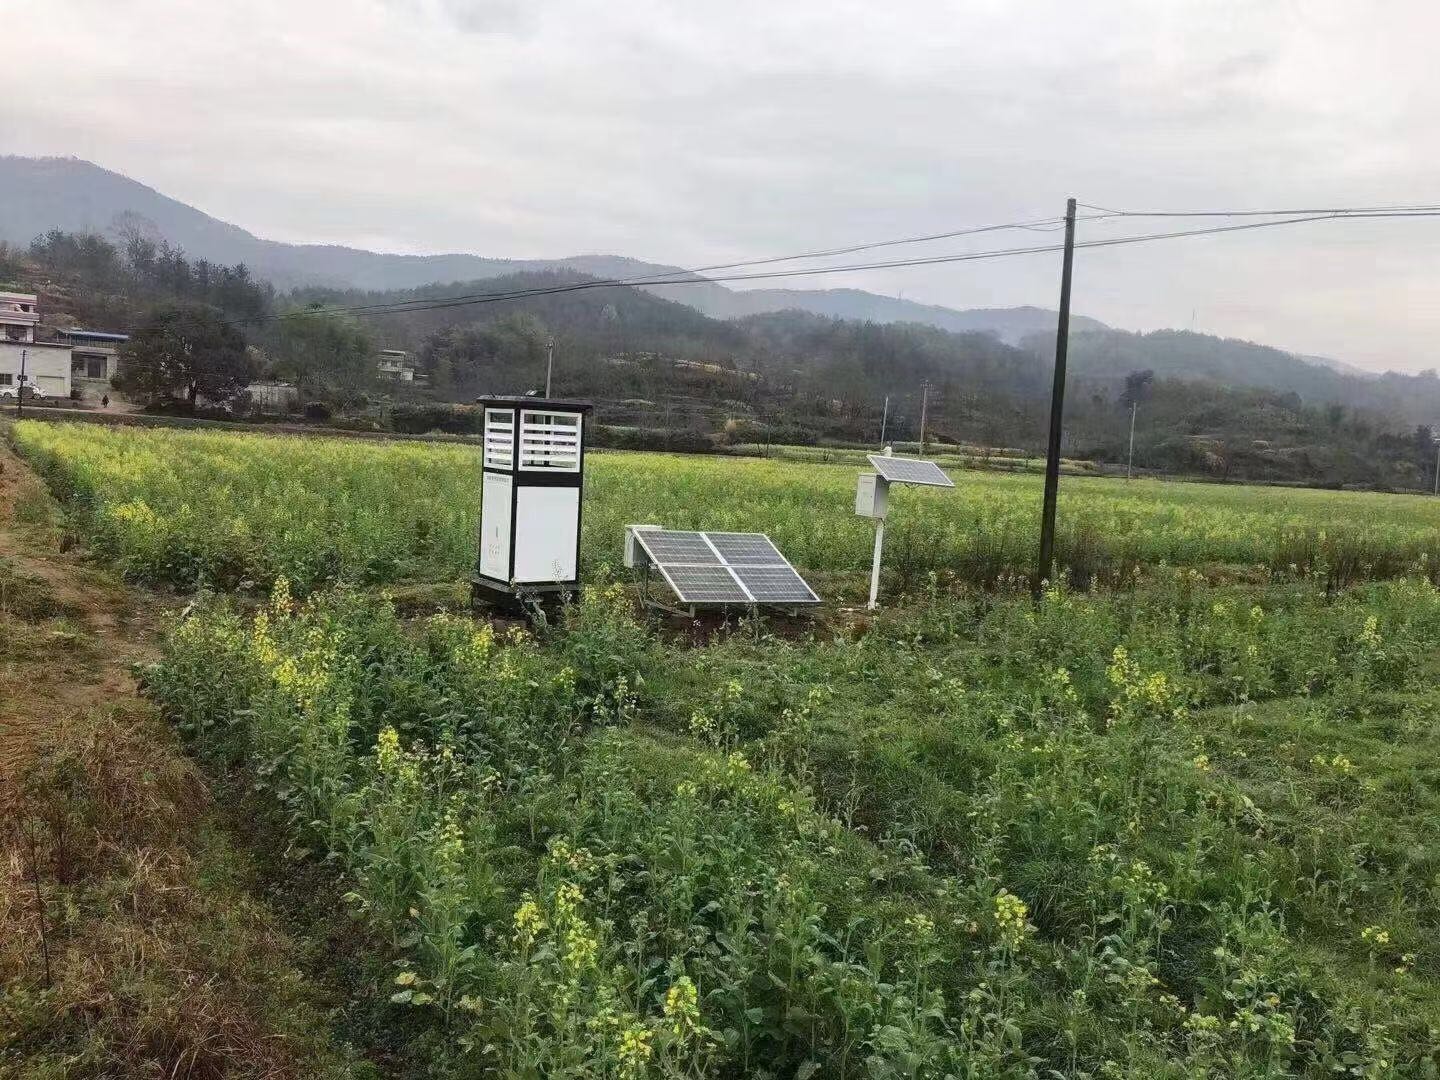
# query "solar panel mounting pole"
(1057, 410)
(549, 363)
(875, 565)
(884, 419)
(924, 403)
(879, 546)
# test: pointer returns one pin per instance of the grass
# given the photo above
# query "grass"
(131, 944)
(239, 510)
(133, 938)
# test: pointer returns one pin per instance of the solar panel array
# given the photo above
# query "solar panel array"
(724, 568)
(899, 470)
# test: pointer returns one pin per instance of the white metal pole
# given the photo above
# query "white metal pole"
(875, 565)
(1437, 470)
(549, 363)
(1130, 459)
(884, 419)
(924, 401)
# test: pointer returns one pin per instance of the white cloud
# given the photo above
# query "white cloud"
(692, 133)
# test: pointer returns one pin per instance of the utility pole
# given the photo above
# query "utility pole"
(1437, 467)
(884, 419)
(549, 363)
(20, 393)
(1130, 458)
(1057, 410)
(924, 401)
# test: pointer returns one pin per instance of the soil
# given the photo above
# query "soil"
(70, 646)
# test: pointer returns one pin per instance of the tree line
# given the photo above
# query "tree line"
(1225, 409)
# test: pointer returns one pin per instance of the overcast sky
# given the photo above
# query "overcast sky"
(691, 132)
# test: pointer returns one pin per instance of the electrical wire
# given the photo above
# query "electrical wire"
(667, 277)
(1342, 211)
(441, 303)
(689, 277)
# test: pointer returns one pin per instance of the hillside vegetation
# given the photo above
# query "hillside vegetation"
(667, 375)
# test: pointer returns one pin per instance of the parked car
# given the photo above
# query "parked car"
(11, 392)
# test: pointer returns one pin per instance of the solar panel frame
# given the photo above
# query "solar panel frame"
(711, 568)
(921, 471)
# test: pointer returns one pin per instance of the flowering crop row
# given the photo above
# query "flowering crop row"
(230, 509)
(1182, 832)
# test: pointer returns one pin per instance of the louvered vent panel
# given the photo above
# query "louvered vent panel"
(549, 442)
(499, 439)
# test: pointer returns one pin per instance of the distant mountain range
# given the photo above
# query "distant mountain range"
(78, 196)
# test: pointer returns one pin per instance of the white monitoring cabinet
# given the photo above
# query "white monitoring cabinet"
(532, 482)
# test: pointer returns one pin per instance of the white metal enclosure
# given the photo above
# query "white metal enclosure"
(532, 482)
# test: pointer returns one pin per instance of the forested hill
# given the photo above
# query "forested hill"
(664, 374)
(1109, 354)
(614, 341)
(77, 196)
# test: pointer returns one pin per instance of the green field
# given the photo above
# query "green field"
(1178, 829)
(185, 507)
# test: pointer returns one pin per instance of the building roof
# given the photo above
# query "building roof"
(96, 335)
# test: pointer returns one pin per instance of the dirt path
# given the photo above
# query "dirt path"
(134, 923)
(71, 631)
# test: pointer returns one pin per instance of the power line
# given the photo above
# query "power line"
(672, 276)
(1347, 211)
(441, 303)
(421, 304)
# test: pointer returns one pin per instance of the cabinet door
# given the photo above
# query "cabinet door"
(495, 507)
(547, 529)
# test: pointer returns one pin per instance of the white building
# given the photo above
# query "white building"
(94, 358)
(395, 364)
(43, 365)
(274, 396)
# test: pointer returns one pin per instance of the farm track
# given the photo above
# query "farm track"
(99, 628)
(134, 939)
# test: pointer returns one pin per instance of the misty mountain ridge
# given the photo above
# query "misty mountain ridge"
(78, 196)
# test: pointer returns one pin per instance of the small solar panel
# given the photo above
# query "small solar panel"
(775, 585)
(899, 470)
(722, 568)
(675, 546)
(741, 548)
(704, 584)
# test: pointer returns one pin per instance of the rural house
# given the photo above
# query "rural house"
(77, 359)
(94, 358)
(44, 365)
(395, 364)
